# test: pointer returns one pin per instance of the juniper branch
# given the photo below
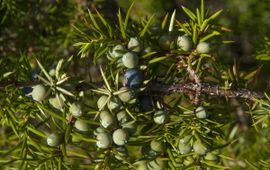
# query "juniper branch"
(187, 88)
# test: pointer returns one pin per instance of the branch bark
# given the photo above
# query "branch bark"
(187, 88)
(207, 89)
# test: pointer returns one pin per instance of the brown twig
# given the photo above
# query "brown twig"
(207, 89)
(187, 88)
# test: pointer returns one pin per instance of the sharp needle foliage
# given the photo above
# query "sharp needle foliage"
(143, 95)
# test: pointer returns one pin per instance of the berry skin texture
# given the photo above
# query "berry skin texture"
(75, 109)
(130, 60)
(134, 45)
(165, 42)
(156, 164)
(118, 51)
(199, 148)
(99, 130)
(160, 117)
(133, 78)
(184, 148)
(38, 92)
(104, 140)
(140, 165)
(122, 117)
(210, 156)
(102, 101)
(184, 43)
(157, 146)
(106, 119)
(203, 48)
(189, 160)
(114, 104)
(57, 104)
(126, 95)
(185, 140)
(201, 113)
(54, 139)
(120, 137)
(81, 125)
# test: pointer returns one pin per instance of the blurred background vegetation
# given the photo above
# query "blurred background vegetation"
(44, 29)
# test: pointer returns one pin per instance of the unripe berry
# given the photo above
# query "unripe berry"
(38, 92)
(210, 156)
(57, 103)
(102, 101)
(199, 148)
(118, 51)
(185, 140)
(99, 130)
(81, 125)
(157, 146)
(75, 109)
(141, 165)
(184, 43)
(133, 78)
(203, 48)
(134, 45)
(122, 117)
(114, 104)
(188, 161)
(104, 140)
(130, 60)
(160, 117)
(201, 112)
(106, 119)
(156, 164)
(165, 42)
(184, 148)
(120, 137)
(54, 139)
(126, 95)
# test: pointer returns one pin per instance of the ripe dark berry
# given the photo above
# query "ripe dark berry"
(133, 78)
(145, 103)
